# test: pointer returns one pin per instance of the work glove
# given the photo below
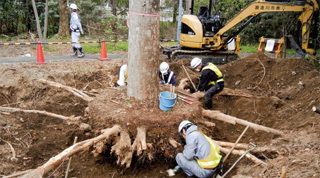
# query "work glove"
(82, 32)
(162, 82)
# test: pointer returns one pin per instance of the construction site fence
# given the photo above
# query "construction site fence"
(80, 42)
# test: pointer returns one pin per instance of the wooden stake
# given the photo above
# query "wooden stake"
(244, 131)
(185, 93)
(67, 171)
(189, 77)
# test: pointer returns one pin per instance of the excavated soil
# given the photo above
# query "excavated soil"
(277, 93)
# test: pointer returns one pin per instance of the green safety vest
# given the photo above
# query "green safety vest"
(216, 70)
(214, 157)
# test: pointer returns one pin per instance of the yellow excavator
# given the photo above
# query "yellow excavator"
(204, 35)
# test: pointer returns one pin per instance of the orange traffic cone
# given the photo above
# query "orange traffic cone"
(40, 58)
(103, 56)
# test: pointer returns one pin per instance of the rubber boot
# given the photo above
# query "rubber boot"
(75, 52)
(208, 102)
(81, 53)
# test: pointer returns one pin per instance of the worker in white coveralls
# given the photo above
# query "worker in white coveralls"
(123, 75)
(75, 28)
(201, 156)
(166, 75)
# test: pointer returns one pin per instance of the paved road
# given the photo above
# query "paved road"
(10, 60)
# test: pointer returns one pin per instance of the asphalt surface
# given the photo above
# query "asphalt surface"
(10, 60)
(47, 59)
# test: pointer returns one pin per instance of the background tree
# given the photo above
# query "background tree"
(37, 20)
(64, 18)
(143, 50)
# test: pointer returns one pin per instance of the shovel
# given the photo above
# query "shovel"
(247, 151)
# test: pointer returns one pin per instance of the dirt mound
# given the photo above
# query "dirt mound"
(270, 92)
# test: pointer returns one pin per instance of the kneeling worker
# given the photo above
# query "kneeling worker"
(166, 75)
(211, 79)
(200, 156)
(123, 75)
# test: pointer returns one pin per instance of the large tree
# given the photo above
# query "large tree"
(143, 53)
(64, 18)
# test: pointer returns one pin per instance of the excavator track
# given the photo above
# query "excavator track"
(216, 57)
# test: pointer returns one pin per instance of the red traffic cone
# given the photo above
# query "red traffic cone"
(40, 58)
(103, 56)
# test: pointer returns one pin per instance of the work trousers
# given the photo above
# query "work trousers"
(75, 36)
(211, 92)
(192, 168)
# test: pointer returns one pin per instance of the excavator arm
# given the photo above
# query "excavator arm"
(307, 8)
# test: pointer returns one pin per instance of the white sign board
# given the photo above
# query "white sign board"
(231, 45)
(270, 45)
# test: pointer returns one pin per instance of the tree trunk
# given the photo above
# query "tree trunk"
(188, 6)
(45, 28)
(64, 18)
(175, 9)
(143, 51)
(37, 19)
(114, 7)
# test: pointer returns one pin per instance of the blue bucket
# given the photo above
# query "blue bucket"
(166, 103)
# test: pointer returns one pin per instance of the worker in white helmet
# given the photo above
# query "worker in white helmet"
(201, 156)
(166, 75)
(211, 79)
(123, 75)
(75, 28)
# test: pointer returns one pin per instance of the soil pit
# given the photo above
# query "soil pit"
(274, 93)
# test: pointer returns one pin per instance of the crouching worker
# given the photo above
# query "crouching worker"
(166, 75)
(123, 75)
(200, 156)
(211, 79)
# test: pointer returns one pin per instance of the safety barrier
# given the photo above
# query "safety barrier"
(80, 42)
(271, 45)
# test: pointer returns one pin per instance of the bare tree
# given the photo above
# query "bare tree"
(64, 18)
(45, 28)
(114, 7)
(144, 20)
(37, 20)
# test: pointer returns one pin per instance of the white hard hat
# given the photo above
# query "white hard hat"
(73, 6)
(195, 62)
(183, 124)
(164, 67)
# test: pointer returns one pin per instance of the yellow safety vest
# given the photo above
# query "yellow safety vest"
(214, 157)
(216, 70)
(125, 77)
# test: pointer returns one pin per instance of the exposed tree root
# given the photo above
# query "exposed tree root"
(65, 154)
(124, 150)
(173, 142)
(233, 120)
(75, 91)
(244, 146)
(123, 144)
(70, 119)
